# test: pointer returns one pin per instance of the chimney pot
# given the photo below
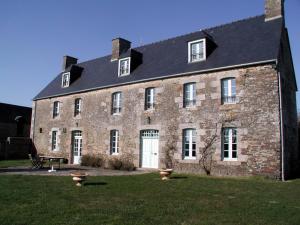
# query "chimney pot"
(68, 61)
(119, 46)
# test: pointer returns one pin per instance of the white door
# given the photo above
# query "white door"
(149, 146)
(77, 147)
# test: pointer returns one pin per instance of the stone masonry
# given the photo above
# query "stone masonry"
(255, 115)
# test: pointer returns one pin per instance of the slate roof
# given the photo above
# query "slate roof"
(242, 42)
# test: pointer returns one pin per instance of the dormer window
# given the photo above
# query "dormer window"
(65, 80)
(124, 67)
(197, 50)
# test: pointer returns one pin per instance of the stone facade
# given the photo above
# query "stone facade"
(255, 116)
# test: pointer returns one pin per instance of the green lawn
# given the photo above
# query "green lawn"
(144, 199)
(12, 163)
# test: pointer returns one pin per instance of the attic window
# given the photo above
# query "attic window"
(124, 67)
(65, 80)
(197, 50)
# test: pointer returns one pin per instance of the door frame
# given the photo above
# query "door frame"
(72, 144)
(141, 148)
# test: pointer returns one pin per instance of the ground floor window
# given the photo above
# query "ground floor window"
(54, 141)
(229, 145)
(189, 144)
(114, 142)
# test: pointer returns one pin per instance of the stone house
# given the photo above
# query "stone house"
(228, 91)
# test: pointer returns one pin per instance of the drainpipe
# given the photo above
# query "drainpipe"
(281, 128)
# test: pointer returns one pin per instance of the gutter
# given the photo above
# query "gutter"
(161, 77)
(281, 129)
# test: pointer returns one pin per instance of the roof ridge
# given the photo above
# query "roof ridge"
(205, 29)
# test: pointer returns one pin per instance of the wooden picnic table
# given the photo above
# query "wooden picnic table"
(51, 159)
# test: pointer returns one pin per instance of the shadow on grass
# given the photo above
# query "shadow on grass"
(95, 183)
(178, 177)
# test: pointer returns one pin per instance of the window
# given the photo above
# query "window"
(54, 141)
(65, 80)
(124, 67)
(197, 50)
(114, 142)
(149, 98)
(77, 106)
(189, 96)
(55, 109)
(189, 144)
(228, 91)
(116, 103)
(229, 139)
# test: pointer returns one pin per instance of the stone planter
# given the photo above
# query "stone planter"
(165, 173)
(79, 178)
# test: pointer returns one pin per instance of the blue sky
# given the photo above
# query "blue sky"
(34, 34)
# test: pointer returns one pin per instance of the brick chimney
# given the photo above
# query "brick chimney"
(274, 9)
(119, 46)
(68, 61)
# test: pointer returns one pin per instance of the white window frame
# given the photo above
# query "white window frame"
(230, 98)
(114, 142)
(230, 144)
(120, 74)
(56, 110)
(54, 139)
(149, 98)
(189, 100)
(191, 139)
(190, 60)
(117, 103)
(77, 106)
(67, 83)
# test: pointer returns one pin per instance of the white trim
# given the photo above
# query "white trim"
(119, 71)
(272, 18)
(230, 144)
(68, 80)
(160, 78)
(190, 142)
(203, 40)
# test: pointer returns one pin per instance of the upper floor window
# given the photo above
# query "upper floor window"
(54, 141)
(197, 50)
(229, 144)
(189, 96)
(114, 142)
(228, 90)
(149, 98)
(189, 144)
(116, 103)
(55, 109)
(124, 67)
(77, 106)
(65, 80)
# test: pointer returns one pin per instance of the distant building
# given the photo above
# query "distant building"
(233, 85)
(14, 131)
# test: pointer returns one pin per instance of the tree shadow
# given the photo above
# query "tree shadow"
(95, 183)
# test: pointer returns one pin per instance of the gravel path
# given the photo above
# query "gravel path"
(66, 170)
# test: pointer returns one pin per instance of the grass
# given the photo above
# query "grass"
(13, 163)
(144, 199)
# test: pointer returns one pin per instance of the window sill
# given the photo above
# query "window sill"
(196, 61)
(116, 114)
(115, 154)
(230, 160)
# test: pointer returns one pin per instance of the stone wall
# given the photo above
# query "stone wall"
(255, 115)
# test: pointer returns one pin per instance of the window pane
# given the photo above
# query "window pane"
(234, 147)
(234, 155)
(226, 154)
